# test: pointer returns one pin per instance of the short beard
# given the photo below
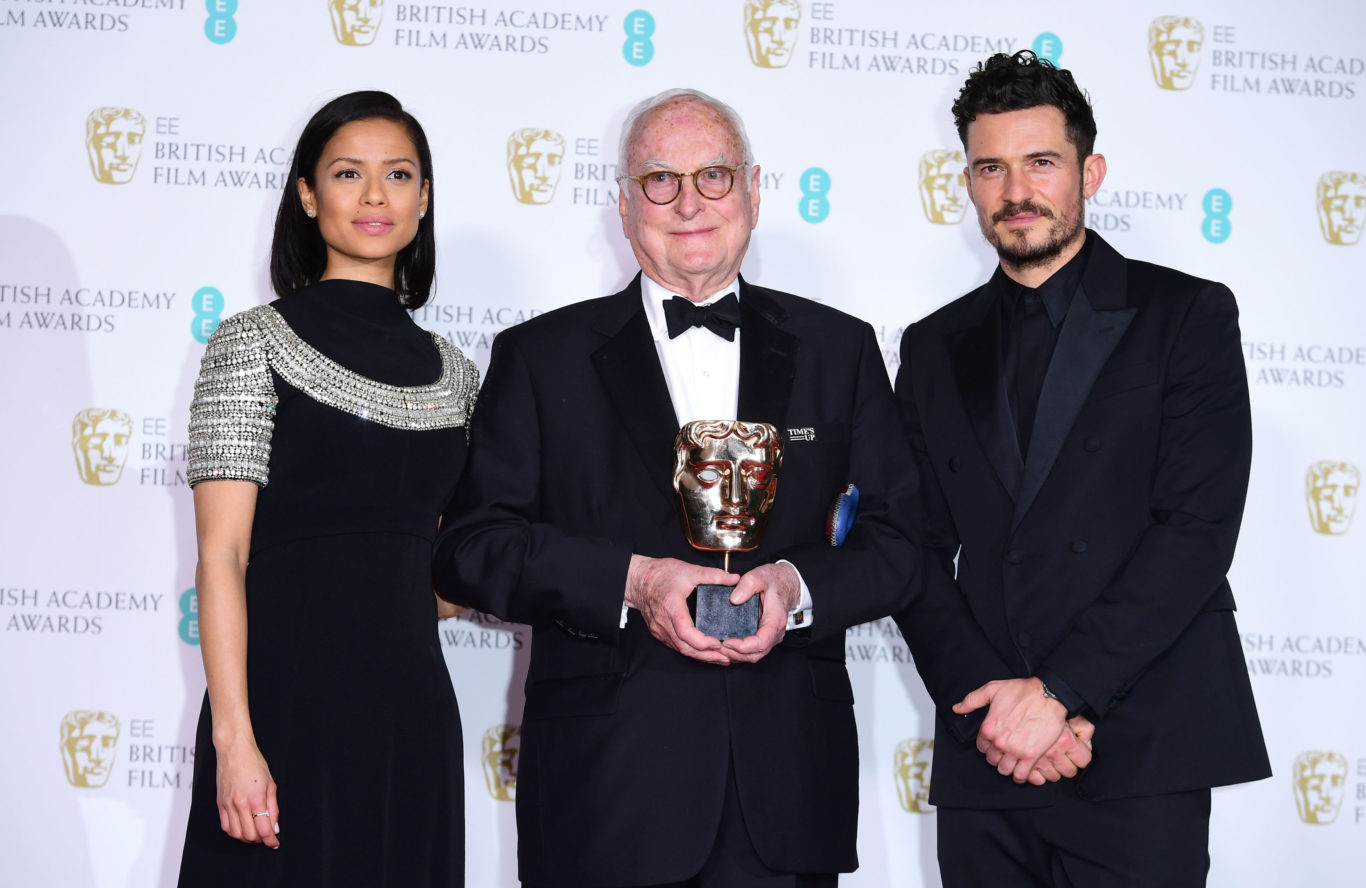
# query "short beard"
(1020, 254)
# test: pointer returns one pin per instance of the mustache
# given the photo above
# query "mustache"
(1016, 209)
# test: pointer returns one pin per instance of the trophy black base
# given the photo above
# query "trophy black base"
(714, 615)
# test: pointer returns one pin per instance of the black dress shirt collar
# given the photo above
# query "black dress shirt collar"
(1056, 292)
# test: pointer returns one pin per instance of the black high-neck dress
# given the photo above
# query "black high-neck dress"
(351, 418)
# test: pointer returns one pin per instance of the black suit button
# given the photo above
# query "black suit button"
(1091, 445)
(954, 463)
(1014, 556)
(1079, 546)
(1024, 638)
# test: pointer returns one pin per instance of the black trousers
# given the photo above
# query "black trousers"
(1157, 842)
(733, 862)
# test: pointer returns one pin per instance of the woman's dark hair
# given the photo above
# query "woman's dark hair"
(298, 255)
(1023, 80)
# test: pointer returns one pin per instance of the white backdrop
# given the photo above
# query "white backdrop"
(123, 240)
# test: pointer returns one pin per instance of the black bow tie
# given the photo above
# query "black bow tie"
(722, 317)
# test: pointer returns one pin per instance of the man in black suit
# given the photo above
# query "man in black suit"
(1082, 431)
(653, 754)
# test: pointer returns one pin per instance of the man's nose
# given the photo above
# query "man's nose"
(1016, 187)
(689, 202)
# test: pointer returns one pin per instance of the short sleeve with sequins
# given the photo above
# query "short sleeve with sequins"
(232, 415)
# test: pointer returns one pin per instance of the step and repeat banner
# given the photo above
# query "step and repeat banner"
(147, 147)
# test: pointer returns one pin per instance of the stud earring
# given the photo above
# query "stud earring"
(309, 213)
(422, 214)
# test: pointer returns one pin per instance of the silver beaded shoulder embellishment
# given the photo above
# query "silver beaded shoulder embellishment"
(232, 415)
(443, 404)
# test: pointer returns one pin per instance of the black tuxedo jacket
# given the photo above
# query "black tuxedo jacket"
(625, 743)
(1100, 559)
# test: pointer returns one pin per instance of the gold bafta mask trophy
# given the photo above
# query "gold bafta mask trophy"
(1174, 43)
(1342, 206)
(1320, 785)
(943, 186)
(99, 438)
(535, 160)
(726, 477)
(911, 767)
(501, 745)
(771, 31)
(113, 142)
(89, 742)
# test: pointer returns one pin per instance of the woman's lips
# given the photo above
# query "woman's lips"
(373, 224)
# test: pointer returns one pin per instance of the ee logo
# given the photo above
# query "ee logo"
(208, 307)
(189, 616)
(814, 205)
(1048, 46)
(1217, 226)
(640, 27)
(220, 27)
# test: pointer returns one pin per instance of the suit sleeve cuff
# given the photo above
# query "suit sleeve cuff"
(1062, 691)
(965, 727)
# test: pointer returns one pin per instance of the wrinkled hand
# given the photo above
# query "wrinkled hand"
(1068, 756)
(779, 589)
(1020, 727)
(659, 589)
(245, 788)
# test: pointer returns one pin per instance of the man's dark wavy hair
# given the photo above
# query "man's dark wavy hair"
(1023, 80)
(298, 255)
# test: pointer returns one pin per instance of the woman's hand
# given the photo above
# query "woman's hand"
(445, 610)
(247, 809)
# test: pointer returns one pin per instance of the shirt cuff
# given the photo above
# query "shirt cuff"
(801, 616)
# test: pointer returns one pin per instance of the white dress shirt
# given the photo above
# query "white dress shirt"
(703, 374)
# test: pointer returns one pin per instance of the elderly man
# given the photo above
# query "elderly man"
(1082, 428)
(652, 753)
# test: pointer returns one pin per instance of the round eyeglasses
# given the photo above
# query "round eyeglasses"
(663, 186)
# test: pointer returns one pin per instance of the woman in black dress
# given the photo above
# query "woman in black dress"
(326, 434)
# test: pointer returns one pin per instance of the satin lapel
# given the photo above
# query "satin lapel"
(975, 354)
(1088, 337)
(628, 367)
(768, 360)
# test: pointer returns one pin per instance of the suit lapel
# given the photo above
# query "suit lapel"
(975, 355)
(1095, 323)
(628, 368)
(768, 359)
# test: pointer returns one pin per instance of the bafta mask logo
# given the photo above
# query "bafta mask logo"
(355, 22)
(501, 745)
(1342, 207)
(911, 768)
(89, 741)
(944, 186)
(535, 158)
(113, 141)
(771, 31)
(1174, 43)
(99, 438)
(1330, 489)
(1320, 785)
(726, 477)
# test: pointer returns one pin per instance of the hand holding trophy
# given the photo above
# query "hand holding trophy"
(726, 477)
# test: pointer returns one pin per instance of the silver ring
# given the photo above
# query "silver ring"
(262, 814)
